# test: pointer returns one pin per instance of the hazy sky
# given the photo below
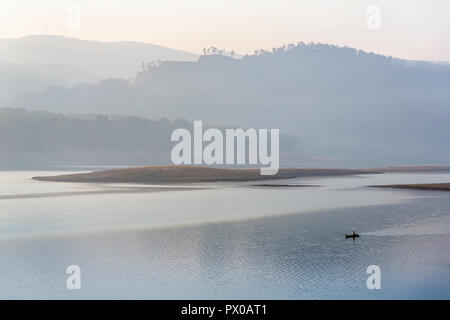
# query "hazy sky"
(413, 29)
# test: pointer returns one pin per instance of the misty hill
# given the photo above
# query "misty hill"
(19, 78)
(32, 63)
(349, 107)
(120, 59)
(41, 139)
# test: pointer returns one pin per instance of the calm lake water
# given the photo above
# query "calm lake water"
(224, 240)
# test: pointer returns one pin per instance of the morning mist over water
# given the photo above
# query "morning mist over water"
(225, 150)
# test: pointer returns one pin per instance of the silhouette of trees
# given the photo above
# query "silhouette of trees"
(214, 50)
(150, 64)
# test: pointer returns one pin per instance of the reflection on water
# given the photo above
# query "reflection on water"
(293, 248)
(28, 211)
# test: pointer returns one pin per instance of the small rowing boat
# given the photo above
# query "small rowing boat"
(352, 235)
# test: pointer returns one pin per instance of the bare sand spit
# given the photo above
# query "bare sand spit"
(191, 174)
(424, 186)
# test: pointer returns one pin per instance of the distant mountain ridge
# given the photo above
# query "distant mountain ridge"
(121, 59)
(32, 63)
(20, 78)
(351, 107)
(41, 139)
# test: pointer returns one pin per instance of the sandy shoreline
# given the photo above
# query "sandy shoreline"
(193, 174)
(424, 186)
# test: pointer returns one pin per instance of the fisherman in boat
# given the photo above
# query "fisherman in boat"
(353, 235)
